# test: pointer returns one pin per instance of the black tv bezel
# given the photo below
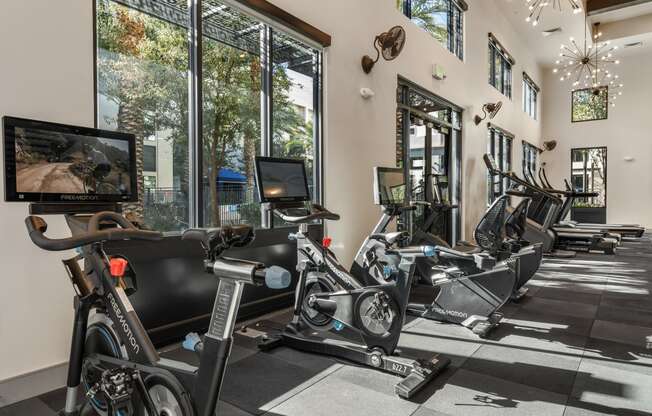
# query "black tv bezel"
(378, 170)
(9, 123)
(261, 195)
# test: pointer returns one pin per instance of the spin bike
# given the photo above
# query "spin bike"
(335, 313)
(121, 371)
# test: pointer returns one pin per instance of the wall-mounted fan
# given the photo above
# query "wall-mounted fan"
(389, 44)
(489, 109)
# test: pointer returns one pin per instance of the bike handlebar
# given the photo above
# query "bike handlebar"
(36, 228)
(316, 212)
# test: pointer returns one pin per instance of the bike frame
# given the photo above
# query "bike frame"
(203, 382)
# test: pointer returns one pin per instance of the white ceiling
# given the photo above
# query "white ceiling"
(546, 49)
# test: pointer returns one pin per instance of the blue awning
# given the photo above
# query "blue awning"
(229, 175)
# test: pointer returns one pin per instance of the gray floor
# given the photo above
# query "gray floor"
(576, 345)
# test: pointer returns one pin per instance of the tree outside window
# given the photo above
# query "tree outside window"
(142, 72)
(590, 104)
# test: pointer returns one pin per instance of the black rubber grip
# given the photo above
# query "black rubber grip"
(36, 227)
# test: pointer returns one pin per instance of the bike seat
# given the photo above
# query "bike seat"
(221, 237)
(390, 238)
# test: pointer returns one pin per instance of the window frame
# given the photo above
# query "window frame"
(572, 104)
(530, 96)
(583, 171)
(455, 28)
(499, 140)
(531, 155)
(270, 24)
(497, 52)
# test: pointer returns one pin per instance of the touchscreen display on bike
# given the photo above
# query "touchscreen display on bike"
(51, 162)
(281, 180)
(389, 186)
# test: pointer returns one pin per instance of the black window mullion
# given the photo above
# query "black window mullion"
(195, 115)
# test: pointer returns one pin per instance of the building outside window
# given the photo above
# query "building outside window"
(590, 104)
(589, 174)
(500, 147)
(443, 19)
(500, 67)
(530, 96)
(144, 87)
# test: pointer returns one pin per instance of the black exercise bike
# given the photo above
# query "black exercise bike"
(112, 357)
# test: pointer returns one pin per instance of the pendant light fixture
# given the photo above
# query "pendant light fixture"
(590, 65)
(537, 7)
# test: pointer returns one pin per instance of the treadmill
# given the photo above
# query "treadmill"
(576, 238)
(623, 230)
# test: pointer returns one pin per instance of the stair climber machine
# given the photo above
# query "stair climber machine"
(453, 286)
(112, 357)
(576, 239)
(541, 212)
(336, 313)
(623, 230)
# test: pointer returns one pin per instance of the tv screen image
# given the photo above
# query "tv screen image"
(282, 180)
(48, 162)
(52, 162)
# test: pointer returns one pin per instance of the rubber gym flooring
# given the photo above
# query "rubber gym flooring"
(575, 345)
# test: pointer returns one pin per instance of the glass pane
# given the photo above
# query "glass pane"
(438, 153)
(417, 142)
(142, 85)
(432, 15)
(590, 104)
(295, 89)
(231, 115)
(498, 76)
(589, 169)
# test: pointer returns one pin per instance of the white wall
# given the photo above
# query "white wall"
(46, 73)
(625, 133)
(361, 134)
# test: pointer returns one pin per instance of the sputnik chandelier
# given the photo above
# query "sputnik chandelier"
(537, 7)
(590, 66)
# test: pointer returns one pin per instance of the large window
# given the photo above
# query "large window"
(443, 19)
(429, 148)
(500, 147)
(500, 67)
(201, 115)
(530, 158)
(589, 174)
(590, 104)
(530, 96)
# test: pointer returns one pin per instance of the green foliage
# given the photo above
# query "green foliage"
(590, 104)
(431, 15)
(142, 68)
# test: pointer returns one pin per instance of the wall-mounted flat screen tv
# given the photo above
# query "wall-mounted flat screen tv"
(51, 162)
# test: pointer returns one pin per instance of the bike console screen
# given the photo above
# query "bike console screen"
(49, 162)
(281, 180)
(389, 186)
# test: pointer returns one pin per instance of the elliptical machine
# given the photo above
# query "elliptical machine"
(114, 359)
(487, 235)
(453, 286)
(334, 312)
